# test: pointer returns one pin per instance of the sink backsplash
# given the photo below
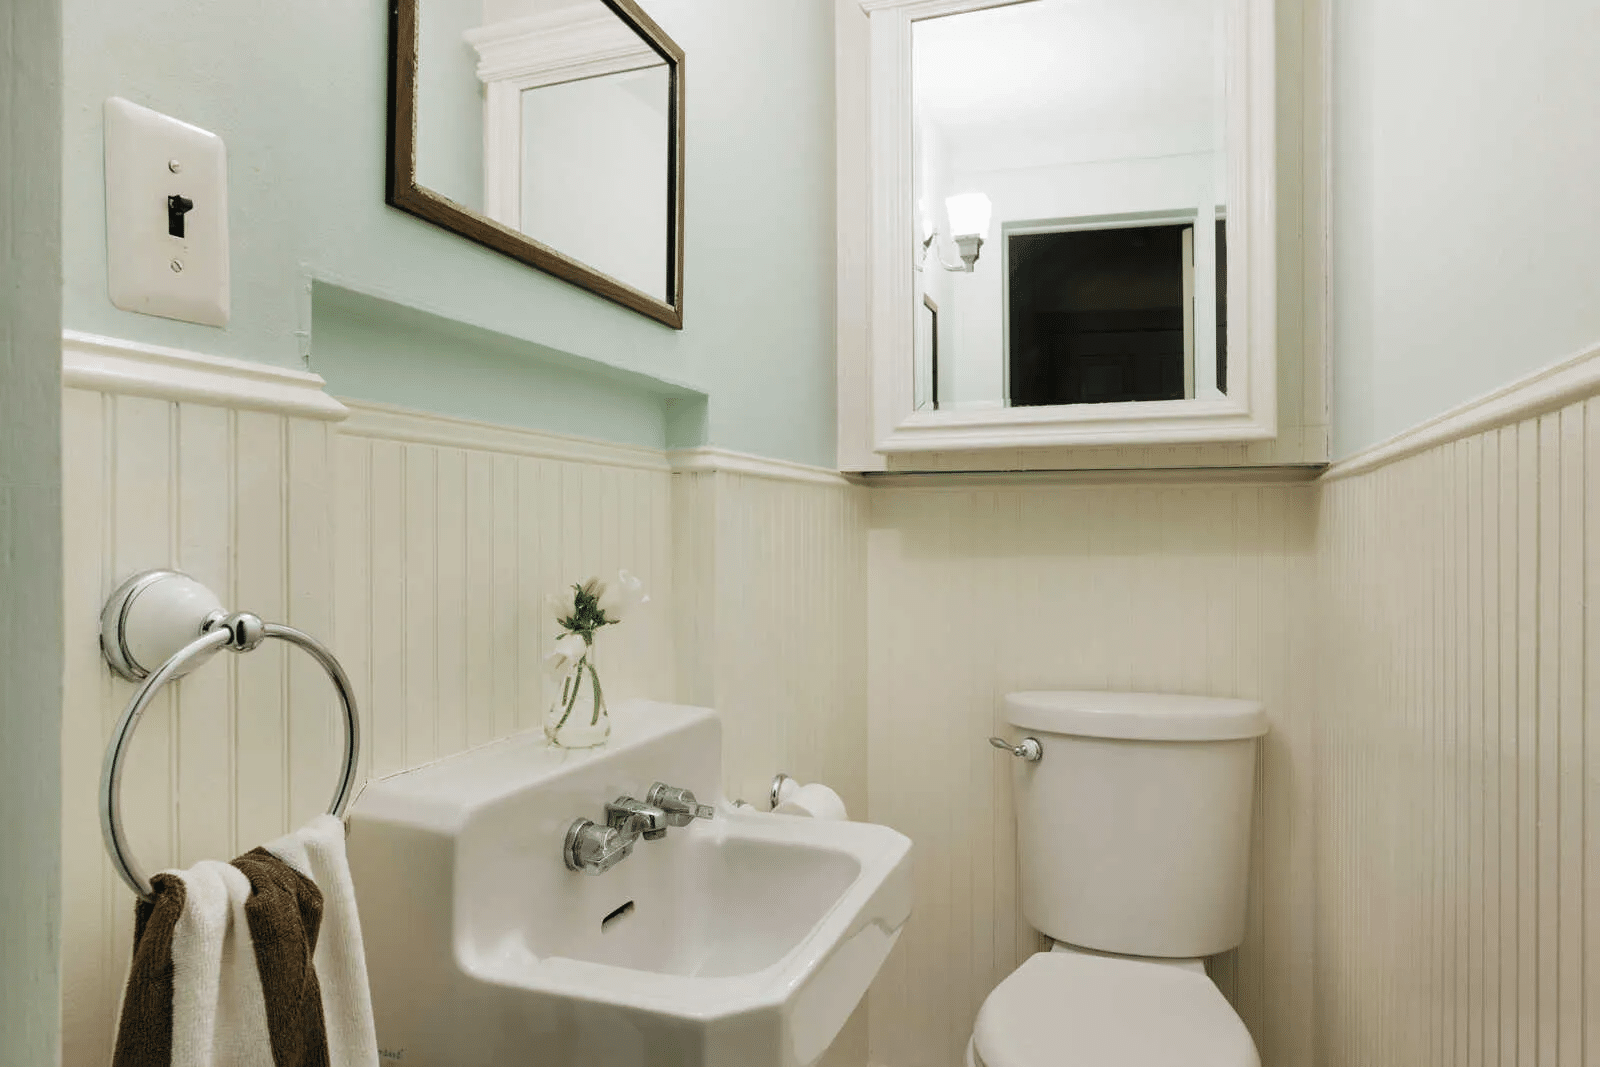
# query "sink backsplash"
(533, 905)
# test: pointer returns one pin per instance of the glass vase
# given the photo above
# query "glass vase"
(577, 717)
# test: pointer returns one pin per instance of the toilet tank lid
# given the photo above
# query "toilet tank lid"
(1136, 716)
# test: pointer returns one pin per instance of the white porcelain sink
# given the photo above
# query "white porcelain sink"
(749, 940)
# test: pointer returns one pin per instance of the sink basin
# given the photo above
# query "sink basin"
(745, 940)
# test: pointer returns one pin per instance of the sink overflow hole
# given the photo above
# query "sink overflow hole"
(625, 910)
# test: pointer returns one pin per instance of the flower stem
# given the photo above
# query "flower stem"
(599, 699)
(572, 700)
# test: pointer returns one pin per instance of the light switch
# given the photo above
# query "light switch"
(166, 216)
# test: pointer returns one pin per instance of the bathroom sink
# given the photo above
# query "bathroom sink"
(745, 940)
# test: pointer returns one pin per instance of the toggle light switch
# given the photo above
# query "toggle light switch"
(166, 216)
(177, 207)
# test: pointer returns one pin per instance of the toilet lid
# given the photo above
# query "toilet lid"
(1062, 1009)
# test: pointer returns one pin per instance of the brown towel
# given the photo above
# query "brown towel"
(285, 913)
(144, 1037)
(186, 964)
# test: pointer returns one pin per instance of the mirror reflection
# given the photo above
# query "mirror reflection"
(552, 118)
(1069, 183)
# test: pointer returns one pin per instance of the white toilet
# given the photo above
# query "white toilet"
(1133, 831)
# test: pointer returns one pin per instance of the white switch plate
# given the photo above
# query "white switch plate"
(149, 158)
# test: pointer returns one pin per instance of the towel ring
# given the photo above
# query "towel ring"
(145, 614)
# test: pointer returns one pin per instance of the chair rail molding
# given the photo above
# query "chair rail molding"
(114, 365)
(389, 422)
(1545, 390)
(706, 460)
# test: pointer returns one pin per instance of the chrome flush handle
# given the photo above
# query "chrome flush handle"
(1028, 749)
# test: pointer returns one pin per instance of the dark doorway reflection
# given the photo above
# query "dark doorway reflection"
(1101, 316)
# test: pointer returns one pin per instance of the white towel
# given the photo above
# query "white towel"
(254, 963)
(317, 852)
(218, 1014)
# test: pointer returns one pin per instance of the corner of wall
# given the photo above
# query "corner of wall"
(31, 643)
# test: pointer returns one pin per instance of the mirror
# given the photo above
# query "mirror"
(1052, 226)
(1093, 133)
(549, 130)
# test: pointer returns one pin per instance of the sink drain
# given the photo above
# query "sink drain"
(620, 913)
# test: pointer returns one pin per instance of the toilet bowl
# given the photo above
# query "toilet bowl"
(1067, 1008)
(1133, 828)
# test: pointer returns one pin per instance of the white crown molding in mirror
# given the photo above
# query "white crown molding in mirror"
(564, 45)
(557, 46)
(1247, 413)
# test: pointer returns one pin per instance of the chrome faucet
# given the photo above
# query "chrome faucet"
(595, 849)
(637, 818)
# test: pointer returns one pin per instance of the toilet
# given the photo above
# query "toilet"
(1133, 836)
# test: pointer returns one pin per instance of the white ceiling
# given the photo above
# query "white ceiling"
(1057, 81)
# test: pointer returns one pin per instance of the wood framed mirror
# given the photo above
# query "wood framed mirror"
(551, 131)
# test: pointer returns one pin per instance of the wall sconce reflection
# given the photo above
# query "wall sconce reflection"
(969, 223)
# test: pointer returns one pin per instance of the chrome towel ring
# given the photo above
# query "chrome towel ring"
(140, 623)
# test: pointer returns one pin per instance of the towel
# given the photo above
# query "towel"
(254, 963)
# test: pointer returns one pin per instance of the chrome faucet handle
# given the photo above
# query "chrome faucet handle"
(595, 849)
(680, 805)
(636, 818)
(1028, 749)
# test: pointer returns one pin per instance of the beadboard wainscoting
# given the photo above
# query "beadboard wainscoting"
(450, 534)
(976, 592)
(1458, 797)
(231, 756)
(772, 602)
(1417, 623)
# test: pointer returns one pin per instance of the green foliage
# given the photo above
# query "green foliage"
(587, 616)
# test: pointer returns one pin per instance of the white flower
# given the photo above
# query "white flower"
(558, 608)
(622, 596)
(594, 587)
(569, 649)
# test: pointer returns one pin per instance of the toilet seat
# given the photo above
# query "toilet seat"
(1063, 1009)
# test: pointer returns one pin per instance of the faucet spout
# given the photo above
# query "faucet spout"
(636, 818)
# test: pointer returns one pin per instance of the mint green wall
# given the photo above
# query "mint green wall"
(381, 351)
(297, 89)
(30, 533)
(1466, 209)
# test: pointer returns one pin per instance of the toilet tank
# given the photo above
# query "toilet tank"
(1133, 827)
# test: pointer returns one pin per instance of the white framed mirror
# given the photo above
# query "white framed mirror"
(1083, 190)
